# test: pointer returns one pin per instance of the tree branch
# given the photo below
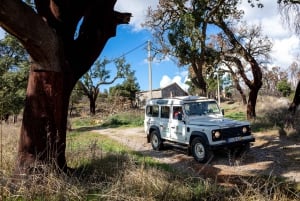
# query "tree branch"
(99, 24)
(257, 75)
(36, 36)
(84, 88)
(240, 67)
(62, 15)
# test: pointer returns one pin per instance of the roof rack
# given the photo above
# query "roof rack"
(187, 98)
(178, 98)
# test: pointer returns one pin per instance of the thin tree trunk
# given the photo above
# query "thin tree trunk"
(244, 98)
(238, 87)
(296, 100)
(251, 113)
(71, 109)
(15, 118)
(92, 106)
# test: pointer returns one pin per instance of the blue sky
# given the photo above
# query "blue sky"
(130, 37)
(284, 52)
(285, 44)
(135, 44)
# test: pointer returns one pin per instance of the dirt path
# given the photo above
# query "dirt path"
(269, 155)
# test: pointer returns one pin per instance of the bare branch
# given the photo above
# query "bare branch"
(240, 67)
(290, 12)
(97, 27)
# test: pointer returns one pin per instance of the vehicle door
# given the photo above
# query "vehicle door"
(177, 126)
(164, 121)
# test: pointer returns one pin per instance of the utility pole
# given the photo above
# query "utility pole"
(150, 68)
(218, 81)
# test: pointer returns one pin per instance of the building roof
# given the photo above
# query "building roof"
(159, 89)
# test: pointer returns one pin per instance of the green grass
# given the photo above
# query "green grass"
(240, 116)
(95, 141)
(81, 122)
(235, 111)
(124, 120)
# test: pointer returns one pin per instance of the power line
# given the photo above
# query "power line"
(130, 51)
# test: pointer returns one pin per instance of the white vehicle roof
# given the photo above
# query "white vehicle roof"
(177, 100)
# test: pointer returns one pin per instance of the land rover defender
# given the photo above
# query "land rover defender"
(196, 123)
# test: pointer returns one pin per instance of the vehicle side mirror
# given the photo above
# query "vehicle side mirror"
(223, 112)
(179, 117)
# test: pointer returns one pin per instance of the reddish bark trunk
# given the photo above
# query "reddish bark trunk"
(251, 113)
(296, 100)
(58, 61)
(92, 106)
(198, 79)
(43, 132)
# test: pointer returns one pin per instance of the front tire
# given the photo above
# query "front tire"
(156, 141)
(199, 150)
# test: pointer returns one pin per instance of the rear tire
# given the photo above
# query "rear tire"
(156, 141)
(200, 151)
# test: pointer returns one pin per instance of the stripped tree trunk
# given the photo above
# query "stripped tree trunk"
(59, 59)
(296, 100)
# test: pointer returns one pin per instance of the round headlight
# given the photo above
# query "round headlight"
(217, 134)
(245, 129)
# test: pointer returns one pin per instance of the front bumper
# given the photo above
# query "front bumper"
(231, 143)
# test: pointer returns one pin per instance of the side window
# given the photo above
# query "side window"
(165, 112)
(177, 110)
(152, 111)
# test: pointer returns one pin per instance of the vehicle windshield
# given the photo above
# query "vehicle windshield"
(201, 108)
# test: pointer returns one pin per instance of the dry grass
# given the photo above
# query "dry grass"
(105, 170)
(9, 135)
(271, 114)
(99, 176)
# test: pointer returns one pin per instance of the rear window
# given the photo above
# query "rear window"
(152, 110)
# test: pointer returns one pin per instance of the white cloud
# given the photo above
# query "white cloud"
(166, 80)
(184, 74)
(285, 43)
(137, 8)
(285, 51)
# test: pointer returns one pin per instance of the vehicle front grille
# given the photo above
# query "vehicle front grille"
(235, 132)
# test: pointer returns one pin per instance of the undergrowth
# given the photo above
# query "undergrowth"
(107, 170)
(134, 118)
(271, 114)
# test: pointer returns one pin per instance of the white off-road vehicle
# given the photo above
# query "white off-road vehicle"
(196, 123)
